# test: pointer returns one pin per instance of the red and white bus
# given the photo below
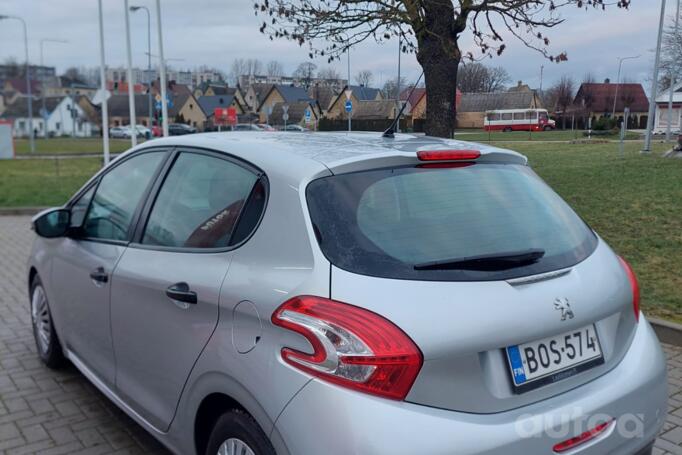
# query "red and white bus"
(518, 120)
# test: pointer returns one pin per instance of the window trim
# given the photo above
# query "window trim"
(141, 226)
(146, 193)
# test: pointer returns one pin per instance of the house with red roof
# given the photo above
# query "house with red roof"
(596, 100)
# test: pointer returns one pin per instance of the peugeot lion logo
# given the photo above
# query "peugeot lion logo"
(564, 307)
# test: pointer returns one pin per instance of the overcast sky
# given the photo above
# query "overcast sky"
(214, 32)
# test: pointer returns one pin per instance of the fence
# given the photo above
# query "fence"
(359, 125)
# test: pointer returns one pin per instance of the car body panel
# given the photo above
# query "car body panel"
(463, 346)
(83, 303)
(325, 418)
(157, 340)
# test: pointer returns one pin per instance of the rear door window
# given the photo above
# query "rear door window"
(390, 222)
(199, 203)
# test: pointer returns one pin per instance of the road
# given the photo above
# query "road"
(48, 412)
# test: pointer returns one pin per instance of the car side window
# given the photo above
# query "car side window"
(80, 207)
(199, 203)
(118, 196)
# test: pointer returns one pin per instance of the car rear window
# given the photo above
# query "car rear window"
(385, 222)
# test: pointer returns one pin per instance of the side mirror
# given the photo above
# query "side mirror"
(52, 223)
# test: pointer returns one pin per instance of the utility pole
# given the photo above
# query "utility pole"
(162, 71)
(542, 73)
(131, 81)
(149, 61)
(348, 52)
(654, 84)
(673, 73)
(397, 127)
(31, 139)
(103, 88)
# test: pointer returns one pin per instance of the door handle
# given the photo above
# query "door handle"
(99, 276)
(180, 292)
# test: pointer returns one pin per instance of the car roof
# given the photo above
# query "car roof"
(299, 155)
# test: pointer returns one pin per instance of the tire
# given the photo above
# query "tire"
(237, 429)
(47, 342)
(507, 130)
(548, 128)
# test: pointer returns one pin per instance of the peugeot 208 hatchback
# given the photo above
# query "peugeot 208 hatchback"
(261, 293)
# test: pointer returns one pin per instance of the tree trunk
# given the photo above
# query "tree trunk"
(439, 57)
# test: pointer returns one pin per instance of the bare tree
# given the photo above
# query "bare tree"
(560, 96)
(244, 67)
(364, 78)
(274, 69)
(328, 73)
(496, 79)
(390, 88)
(475, 78)
(472, 77)
(305, 72)
(430, 28)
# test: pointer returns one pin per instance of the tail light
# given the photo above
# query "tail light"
(633, 284)
(352, 347)
(448, 155)
(582, 438)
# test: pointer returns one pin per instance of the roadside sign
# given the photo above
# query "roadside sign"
(349, 106)
(348, 94)
(285, 117)
(285, 108)
(308, 115)
(6, 140)
(99, 97)
(231, 116)
(158, 97)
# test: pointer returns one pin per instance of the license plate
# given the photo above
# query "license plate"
(552, 359)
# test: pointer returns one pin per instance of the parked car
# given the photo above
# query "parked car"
(119, 132)
(266, 127)
(410, 295)
(179, 129)
(246, 127)
(295, 128)
(143, 131)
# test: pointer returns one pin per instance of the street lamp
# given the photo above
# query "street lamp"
(103, 86)
(131, 82)
(28, 81)
(162, 68)
(42, 82)
(149, 57)
(668, 131)
(654, 84)
(620, 67)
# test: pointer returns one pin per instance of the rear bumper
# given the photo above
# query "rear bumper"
(324, 418)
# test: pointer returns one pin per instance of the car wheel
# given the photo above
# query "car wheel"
(47, 342)
(507, 130)
(548, 128)
(237, 433)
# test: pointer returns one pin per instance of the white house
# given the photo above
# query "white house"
(17, 113)
(661, 124)
(69, 119)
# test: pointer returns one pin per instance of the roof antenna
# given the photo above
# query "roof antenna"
(390, 131)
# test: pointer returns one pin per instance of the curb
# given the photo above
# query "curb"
(14, 211)
(667, 332)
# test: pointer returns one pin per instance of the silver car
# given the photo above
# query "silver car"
(262, 293)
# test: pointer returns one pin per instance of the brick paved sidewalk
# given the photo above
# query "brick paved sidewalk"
(47, 412)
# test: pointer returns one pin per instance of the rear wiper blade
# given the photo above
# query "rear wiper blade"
(486, 262)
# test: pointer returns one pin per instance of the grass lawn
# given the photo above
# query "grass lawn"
(43, 182)
(634, 202)
(499, 136)
(67, 145)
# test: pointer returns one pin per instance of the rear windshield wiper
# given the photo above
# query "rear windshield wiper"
(485, 262)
